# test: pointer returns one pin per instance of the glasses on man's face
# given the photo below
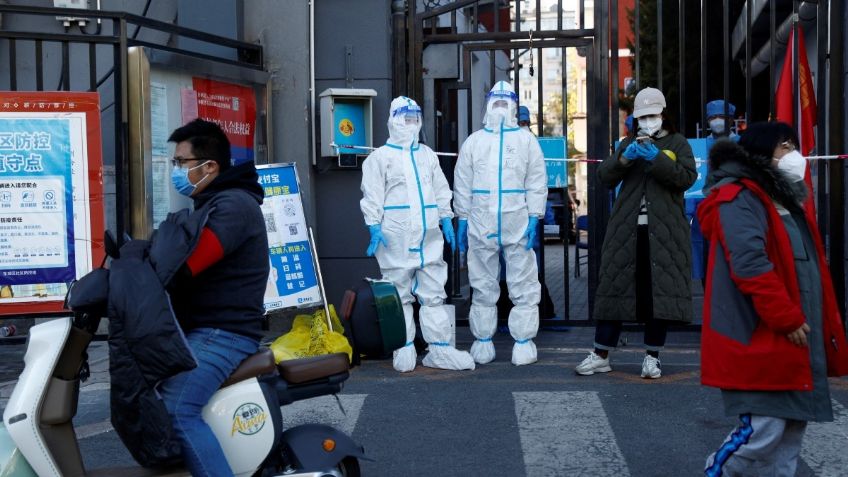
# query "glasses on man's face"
(179, 161)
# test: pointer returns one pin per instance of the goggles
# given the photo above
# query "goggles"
(504, 95)
(410, 110)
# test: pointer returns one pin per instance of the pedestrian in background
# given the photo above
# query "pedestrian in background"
(772, 332)
(645, 272)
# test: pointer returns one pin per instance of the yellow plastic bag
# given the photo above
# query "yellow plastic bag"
(310, 336)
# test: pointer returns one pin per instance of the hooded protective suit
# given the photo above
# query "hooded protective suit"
(405, 192)
(499, 183)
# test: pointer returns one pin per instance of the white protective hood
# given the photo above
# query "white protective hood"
(493, 117)
(400, 133)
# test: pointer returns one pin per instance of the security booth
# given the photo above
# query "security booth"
(346, 124)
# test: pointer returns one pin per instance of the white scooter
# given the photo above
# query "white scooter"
(38, 437)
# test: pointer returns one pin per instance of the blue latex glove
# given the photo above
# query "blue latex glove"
(648, 151)
(376, 238)
(462, 235)
(530, 233)
(631, 151)
(450, 235)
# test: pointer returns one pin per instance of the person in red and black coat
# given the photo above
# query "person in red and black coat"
(771, 333)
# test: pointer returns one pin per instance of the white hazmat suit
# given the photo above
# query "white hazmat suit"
(405, 191)
(500, 182)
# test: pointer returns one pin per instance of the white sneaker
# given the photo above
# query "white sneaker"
(651, 367)
(593, 364)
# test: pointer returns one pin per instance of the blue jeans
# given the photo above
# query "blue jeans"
(218, 354)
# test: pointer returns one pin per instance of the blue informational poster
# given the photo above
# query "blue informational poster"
(700, 148)
(554, 149)
(36, 202)
(292, 281)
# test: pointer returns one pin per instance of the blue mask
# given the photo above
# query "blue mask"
(179, 177)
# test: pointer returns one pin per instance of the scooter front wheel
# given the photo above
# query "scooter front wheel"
(349, 467)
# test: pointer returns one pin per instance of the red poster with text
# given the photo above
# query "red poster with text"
(233, 107)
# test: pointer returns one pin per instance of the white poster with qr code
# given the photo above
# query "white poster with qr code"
(292, 281)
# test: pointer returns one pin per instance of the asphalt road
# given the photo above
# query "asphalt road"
(541, 419)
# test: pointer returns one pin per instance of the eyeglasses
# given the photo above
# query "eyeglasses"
(788, 145)
(179, 161)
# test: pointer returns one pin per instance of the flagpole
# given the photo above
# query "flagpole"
(796, 82)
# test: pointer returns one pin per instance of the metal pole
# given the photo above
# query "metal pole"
(637, 44)
(599, 144)
(703, 119)
(681, 45)
(122, 205)
(726, 69)
(660, 45)
(821, 128)
(835, 105)
(567, 199)
(772, 59)
(796, 85)
(614, 64)
(748, 77)
(540, 98)
(399, 48)
(320, 279)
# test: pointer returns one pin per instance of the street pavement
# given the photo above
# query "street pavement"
(503, 420)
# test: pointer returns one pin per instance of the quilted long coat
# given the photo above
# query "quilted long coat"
(662, 182)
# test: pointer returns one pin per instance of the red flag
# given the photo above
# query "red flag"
(784, 98)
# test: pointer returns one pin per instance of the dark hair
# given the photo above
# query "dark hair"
(207, 139)
(761, 139)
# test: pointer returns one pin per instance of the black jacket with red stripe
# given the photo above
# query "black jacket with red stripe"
(222, 284)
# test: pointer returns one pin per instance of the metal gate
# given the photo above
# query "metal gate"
(459, 23)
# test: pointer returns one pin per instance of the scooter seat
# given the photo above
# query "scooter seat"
(297, 371)
(254, 365)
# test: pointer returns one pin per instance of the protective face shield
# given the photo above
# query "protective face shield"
(650, 125)
(179, 177)
(501, 106)
(793, 164)
(404, 121)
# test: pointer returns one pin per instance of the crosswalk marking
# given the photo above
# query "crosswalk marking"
(825, 444)
(325, 410)
(567, 433)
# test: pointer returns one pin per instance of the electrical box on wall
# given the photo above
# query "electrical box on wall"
(346, 131)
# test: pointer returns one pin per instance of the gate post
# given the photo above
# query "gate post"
(399, 53)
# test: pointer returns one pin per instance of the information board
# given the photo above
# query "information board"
(700, 149)
(292, 281)
(51, 196)
(554, 149)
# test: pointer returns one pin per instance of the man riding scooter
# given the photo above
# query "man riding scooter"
(217, 294)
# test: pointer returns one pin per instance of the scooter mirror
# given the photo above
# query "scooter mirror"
(111, 244)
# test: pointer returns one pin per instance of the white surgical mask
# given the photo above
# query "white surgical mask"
(794, 164)
(650, 125)
(717, 126)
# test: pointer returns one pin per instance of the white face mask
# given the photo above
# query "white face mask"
(794, 164)
(650, 125)
(717, 126)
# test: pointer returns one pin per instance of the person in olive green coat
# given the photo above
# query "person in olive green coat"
(646, 260)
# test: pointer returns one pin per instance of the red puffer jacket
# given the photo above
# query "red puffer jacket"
(747, 318)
